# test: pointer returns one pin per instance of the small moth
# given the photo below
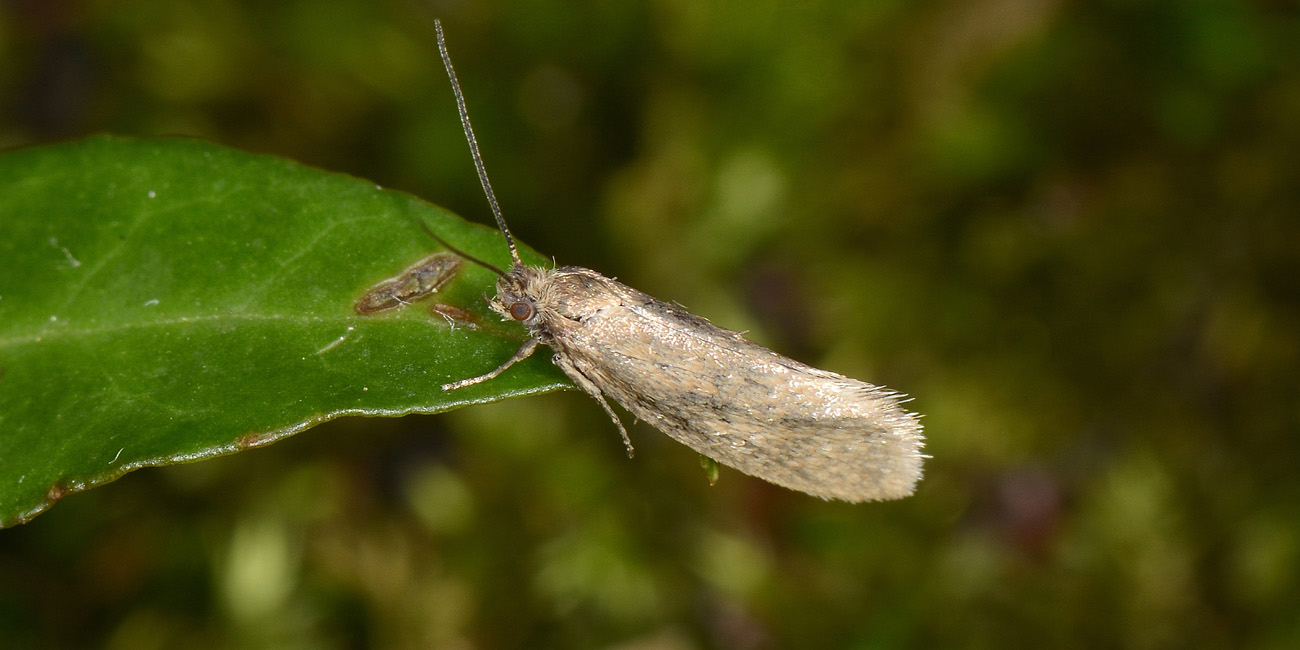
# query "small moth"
(420, 280)
(711, 389)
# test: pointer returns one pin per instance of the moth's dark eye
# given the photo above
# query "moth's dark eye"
(521, 310)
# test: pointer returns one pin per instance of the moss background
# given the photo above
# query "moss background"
(1071, 230)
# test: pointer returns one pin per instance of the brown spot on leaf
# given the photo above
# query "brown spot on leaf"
(456, 314)
(418, 281)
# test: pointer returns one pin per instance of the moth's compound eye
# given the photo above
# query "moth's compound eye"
(521, 310)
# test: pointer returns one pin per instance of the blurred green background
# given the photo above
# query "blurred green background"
(1068, 229)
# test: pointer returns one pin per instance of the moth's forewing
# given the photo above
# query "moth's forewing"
(734, 400)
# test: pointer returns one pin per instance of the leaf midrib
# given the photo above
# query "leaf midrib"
(57, 334)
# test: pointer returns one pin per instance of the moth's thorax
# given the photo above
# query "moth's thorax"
(560, 298)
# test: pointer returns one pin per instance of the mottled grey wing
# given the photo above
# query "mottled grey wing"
(746, 406)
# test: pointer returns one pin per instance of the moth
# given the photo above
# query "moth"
(709, 388)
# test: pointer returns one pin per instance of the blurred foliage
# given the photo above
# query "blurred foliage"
(1068, 229)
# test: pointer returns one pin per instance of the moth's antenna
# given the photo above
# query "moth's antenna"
(473, 145)
(446, 244)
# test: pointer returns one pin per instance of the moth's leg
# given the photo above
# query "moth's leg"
(525, 351)
(592, 389)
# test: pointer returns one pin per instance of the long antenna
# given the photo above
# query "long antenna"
(473, 145)
(447, 245)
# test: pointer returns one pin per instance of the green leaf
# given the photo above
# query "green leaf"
(165, 301)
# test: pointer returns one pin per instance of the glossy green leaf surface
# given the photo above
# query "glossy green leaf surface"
(166, 301)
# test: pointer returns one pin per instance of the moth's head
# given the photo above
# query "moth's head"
(522, 295)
